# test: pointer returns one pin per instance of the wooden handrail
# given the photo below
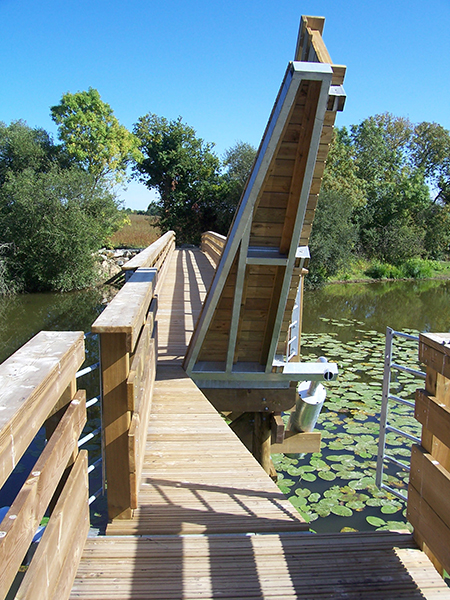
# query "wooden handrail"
(38, 381)
(429, 486)
(128, 355)
(32, 381)
(213, 245)
(153, 255)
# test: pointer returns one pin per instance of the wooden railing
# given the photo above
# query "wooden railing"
(39, 388)
(128, 355)
(429, 487)
(213, 245)
(153, 256)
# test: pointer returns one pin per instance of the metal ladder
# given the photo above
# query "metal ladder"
(387, 397)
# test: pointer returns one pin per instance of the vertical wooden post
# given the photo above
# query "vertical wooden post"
(435, 355)
(262, 440)
(50, 425)
(115, 363)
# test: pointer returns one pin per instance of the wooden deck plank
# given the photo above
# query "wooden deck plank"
(197, 475)
(180, 301)
(198, 478)
(275, 566)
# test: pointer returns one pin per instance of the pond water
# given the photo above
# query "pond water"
(21, 317)
(334, 489)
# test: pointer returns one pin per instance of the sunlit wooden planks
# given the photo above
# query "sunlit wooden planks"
(197, 476)
(23, 518)
(128, 312)
(180, 302)
(154, 255)
(275, 566)
(429, 488)
(32, 381)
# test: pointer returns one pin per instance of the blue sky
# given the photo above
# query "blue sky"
(218, 64)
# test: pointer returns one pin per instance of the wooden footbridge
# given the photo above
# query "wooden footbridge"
(192, 336)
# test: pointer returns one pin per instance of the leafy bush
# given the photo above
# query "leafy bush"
(380, 270)
(53, 216)
(417, 269)
(414, 268)
(53, 223)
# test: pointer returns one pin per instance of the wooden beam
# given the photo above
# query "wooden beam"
(434, 352)
(32, 380)
(128, 310)
(149, 257)
(429, 526)
(434, 416)
(137, 435)
(243, 428)
(262, 434)
(278, 428)
(298, 443)
(431, 481)
(23, 518)
(251, 400)
(313, 89)
(115, 361)
(52, 571)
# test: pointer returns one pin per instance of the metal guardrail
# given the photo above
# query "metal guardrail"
(389, 365)
(98, 464)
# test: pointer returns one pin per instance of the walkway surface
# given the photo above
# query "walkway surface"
(198, 477)
(211, 523)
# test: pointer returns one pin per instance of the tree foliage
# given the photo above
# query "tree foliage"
(53, 216)
(430, 151)
(384, 195)
(237, 164)
(183, 169)
(93, 137)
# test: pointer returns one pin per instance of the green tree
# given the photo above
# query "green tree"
(333, 238)
(53, 216)
(22, 147)
(341, 173)
(183, 169)
(396, 194)
(93, 137)
(430, 150)
(237, 164)
(334, 235)
(52, 224)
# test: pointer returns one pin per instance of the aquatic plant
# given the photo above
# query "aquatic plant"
(335, 489)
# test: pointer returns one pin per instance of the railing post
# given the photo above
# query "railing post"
(429, 487)
(115, 360)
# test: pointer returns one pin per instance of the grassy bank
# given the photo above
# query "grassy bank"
(364, 270)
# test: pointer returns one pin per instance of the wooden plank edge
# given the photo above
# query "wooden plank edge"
(298, 443)
(53, 568)
(433, 531)
(22, 520)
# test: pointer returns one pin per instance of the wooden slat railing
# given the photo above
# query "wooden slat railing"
(154, 255)
(429, 487)
(128, 355)
(213, 245)
(38, 387)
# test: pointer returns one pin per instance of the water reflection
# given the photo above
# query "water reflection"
(402, 305)
(24, 315)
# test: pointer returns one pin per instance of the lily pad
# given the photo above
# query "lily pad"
(391, 508)
(375, 521)
(341, 511)
(327, 475)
